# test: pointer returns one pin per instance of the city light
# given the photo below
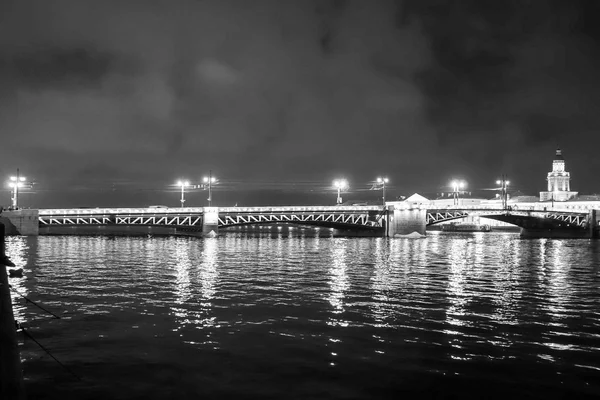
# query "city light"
(457, 186)
(503, 191)
(209, 181)
(340, 184)
(16, 182)
(183, 185)
(383, 182)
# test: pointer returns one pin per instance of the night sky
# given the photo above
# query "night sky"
(106, 103)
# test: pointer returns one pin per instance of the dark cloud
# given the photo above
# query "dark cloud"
(284, 91)
(48, 68)
(512, 80)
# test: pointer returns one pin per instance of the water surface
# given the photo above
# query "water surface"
(298, 317)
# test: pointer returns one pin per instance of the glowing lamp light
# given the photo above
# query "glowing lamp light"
(340, 184)
(183, 185)
(383, 182)
(504, 191)
(16, 182)
(209, 181)
(457, 185)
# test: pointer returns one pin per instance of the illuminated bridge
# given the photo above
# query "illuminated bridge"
(566, 218)
(535, 220)
(393, 219)
(206, 219)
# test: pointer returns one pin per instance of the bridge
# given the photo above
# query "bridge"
(210, 219)
(559, 217)
(393, 219)
(537, 222)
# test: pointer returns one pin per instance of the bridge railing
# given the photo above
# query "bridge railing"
(521, 207)
(195, 210)
(96, 211)
(299, 209)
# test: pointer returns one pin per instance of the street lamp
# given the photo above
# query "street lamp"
(503, 191)
(15, 183)
(340, 184)
(382, 182)
(456, 185)
(209, 180)
(183, 184)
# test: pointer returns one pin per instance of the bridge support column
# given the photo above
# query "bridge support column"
(21, 222)
(210, 221)
(406, 219)
(594, 224)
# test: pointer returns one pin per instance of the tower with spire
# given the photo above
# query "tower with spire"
(559, 187)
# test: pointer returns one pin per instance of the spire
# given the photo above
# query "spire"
(559, 155)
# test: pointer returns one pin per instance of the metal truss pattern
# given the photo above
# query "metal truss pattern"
(156, 219)
(360, 216)
(576, 219)
(323, 218)
(435, 216)
(571, 218)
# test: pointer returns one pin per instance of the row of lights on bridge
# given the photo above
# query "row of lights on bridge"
(458, 186)
(340, 185)
(207, 183)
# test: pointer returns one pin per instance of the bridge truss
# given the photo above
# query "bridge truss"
(570, 218)
(436, 216)
(370, 217)
(120, 217)
(310, 219)
(580, 220)
(364, 216)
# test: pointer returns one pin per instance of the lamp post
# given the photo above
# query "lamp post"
(15, 183)
(340, 184)
(183, 184)
(382, 182)
(456, 185)
(503, 191)
(208, 181)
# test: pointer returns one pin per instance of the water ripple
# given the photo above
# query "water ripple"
(239, 312)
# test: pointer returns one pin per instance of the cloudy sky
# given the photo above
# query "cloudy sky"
(110, 102)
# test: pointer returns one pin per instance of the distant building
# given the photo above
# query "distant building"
(588, 197)
(559, 188)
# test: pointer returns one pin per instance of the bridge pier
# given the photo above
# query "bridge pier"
(594, 224)
(405, 218)
(210, 221)
(21, 222)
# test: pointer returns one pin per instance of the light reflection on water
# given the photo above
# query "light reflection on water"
(338, 279)
(276, 305)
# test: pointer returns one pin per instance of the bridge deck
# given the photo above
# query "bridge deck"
(196, 210)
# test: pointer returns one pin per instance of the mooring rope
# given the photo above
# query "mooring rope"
(27, 300)
(19, 326)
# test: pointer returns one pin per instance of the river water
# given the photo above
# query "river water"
(300, 316)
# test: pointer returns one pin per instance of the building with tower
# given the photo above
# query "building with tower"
(559, 188)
